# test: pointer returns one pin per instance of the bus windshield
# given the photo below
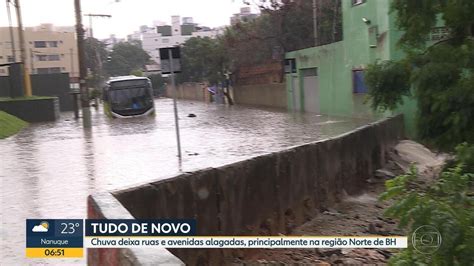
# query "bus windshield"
(129, 98)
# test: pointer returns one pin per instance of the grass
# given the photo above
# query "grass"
(32, 98)
(10, 125)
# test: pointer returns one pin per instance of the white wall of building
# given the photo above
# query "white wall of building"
(153, 41)
(175, 25)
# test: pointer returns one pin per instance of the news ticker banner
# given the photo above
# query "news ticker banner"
(67, 238)
(287, 242)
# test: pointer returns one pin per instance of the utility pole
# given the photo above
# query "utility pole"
(21, 35)
(12, 36)
(86, 112)
(74, 93)
(315, 22)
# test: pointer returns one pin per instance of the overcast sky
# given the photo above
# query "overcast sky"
(127, 15)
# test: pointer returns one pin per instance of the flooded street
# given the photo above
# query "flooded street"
(49, 169)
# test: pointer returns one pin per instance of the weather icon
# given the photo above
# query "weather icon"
(42, 227)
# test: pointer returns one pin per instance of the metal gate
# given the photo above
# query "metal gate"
(311, 90)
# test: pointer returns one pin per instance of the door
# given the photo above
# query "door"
(296, 94)
(311, 90)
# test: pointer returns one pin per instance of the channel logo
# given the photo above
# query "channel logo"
(426, 239)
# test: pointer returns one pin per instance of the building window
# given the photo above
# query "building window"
(53, 57)
(42, 70)
(10, 59)
(42, 57)
(373, 35)
(45, 44)
(40, 44)
(357, 2)
(358, 81)
(52, 44)
(48, 70)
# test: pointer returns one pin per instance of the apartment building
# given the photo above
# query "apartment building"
(245, 15)
(177, 33)
(49, 49)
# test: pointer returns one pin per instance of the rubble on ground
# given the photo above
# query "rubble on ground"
(356, 215)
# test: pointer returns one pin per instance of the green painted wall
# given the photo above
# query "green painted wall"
(363, 43)
(335, 98)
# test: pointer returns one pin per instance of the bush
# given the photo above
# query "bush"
(447, 206)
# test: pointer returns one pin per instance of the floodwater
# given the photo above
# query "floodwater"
(48, 170)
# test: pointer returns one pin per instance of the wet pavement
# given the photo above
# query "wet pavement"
(49, 169)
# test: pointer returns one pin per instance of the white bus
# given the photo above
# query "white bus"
(128, 96)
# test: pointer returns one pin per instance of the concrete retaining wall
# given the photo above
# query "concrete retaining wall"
(105, 206)
(269, 194)
(32, 110)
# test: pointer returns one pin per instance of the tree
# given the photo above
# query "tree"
(203, 59)
(294, 21)
(439, 75)
(444, 206)
(158, 83)
(125, 58)
(283, 26)
(95, 55)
